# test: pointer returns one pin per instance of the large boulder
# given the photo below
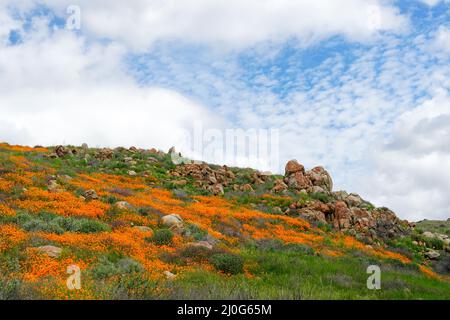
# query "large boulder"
(298, 181)
(354, 200)
(342, 216)
(280, 186)
(62, 151)
(292, 167)
(319, 177)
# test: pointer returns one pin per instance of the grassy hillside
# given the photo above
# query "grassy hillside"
(434, 226)
(106, 211)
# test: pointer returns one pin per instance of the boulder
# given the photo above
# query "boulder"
(122, 205)
(354, 200)
(169, 275)
(280, 186)
(54, 187)
(428, 234)
(298, 181)
(320, 177)
(180, 183)
(104, 154)
(432, 254)
(50, 251)
(342, 216)
(203, 244)
(90, 195)
(247, 187)
(62, 151)
(216, 189)
(173, 221)
(292, 167)
(143, 229)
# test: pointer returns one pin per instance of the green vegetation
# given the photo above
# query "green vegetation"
(228, 263)
(48, 222)
(434, 226)
(162, 237)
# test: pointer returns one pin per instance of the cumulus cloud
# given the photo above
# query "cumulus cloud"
(232, 23)
(55, 88)
(58, 86)
(412, 171)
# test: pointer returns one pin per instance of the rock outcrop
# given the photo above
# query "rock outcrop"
(342, 211)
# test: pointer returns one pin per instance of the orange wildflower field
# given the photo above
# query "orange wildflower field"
(44, 202)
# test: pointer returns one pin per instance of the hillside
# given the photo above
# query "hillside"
(140, 227)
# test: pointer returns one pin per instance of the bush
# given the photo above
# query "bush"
(228, 263)
(196, 232)
(107, 267)
(52, 223)
(162, 237)
(320, 196)
(9, 289)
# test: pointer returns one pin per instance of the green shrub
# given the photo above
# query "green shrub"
(48, 222)
(196, 232)
(9, 289)
(228, 263)
(107, 267)
(320, 196)
(162, 237)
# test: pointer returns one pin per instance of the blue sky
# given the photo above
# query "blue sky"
(361, 87)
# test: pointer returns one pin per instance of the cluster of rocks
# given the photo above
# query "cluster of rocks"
(316, 180)
(215, 180)
(344, 212)
(430, 253)
(204, 176)
(61, 152)
(439, 236)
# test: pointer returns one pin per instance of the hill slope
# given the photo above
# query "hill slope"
(140, 227)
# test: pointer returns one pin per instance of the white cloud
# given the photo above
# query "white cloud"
(433, 3)
(233, 23)
(55, 88)
(412, 172)
(442, 41)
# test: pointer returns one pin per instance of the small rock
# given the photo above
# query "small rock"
(169, 275)
(122, 205)
(428, 234)
(50, 251)
(90, 195)
(173, 221)
(54, 187)
(132, 173)
(180, 183)
(247, 187)
(432, 254)
(143, 229)
(204, 244)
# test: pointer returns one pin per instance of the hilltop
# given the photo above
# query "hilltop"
(139, 226)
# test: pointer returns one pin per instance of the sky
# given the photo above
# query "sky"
(360, 87)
